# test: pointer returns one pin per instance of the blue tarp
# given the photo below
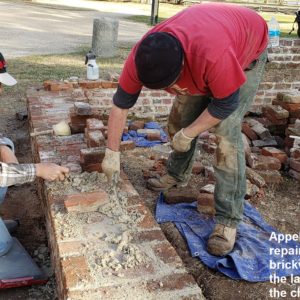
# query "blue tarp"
(250, 259)
(141, 139)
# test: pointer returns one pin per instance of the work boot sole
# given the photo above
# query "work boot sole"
(161, 189)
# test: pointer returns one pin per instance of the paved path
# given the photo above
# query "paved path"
(44, 29)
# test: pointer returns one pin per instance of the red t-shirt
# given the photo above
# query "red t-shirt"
(219, 42)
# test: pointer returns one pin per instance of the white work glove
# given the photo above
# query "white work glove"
(181, 142)
(111, 165)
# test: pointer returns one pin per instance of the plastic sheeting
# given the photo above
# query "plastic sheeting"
(253, 257)
(141, 139)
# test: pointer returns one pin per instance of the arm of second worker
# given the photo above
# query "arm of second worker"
(217, 111)
(116, 124)
(12, 174)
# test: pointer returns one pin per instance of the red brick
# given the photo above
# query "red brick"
(77, 128)
(275, 121)
(179, 195)
(197, 168)
(275, 112)
(82, 108)
(270, 176)
(274, 152)
(97, 167)
(92, 155)
(261, 162)
(109, 84)
(55, 85)
(70, 248)
(135, 125)
(171, 282)
(153, 136)
(81, 120)
(127, 145)
(147, 220)
(166, 253)
(74, 271)
(86, 202)
(95, 139)
(94, 124)
(90, 84)
(246, 129)
(209, 174)
(289, 97)
(261, 131)
(254, 177)
(206, 204)
(294, 174)
(148, 236)
(295, 164)
(295, 153)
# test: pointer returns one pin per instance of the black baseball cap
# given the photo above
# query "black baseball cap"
(158, 60)
(5, 78)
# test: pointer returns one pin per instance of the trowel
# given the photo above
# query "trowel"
(59, 129)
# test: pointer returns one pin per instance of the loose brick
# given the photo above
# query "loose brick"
(255, 178)
(261, 131)
(55, 85)
(265, 143)
(74, 271)
(179, 195)
(246, 129)
(261, 162)
(95, 139)
(206, 204)
(289, 97)
(83, 109)
(86, 202)
(295, 164)
(135, 125)
(94, 124)
(153, 136)
(109, 84)
(274, 152)
(127, 145)
(271, 176)
(295, 153)
(96, 167)
(92, 155)
(148, 236)
(294, 174)
(275, 111)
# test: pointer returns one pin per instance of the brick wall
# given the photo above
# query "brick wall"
(282, 74)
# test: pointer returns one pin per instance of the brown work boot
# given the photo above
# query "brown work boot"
(222, 240)
(164, 183)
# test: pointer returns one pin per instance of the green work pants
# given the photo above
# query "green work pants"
(229, 166)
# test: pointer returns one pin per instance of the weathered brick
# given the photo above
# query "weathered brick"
(294, 174)
(261, 162)
(206, 201)
(275, 111)
(86, 202)
(55, 85)
(91, 167)
(147, 220)
(70, 248)
(274, 152)
(83, 108)
(289, 97)
(148, 236)
(109, 84)
(90, 84)
(261, 131)
(270, 176)
(255, 178)
(135, 125)
(153, 136)
(171, 282)
(92, 155)
(265, 143)
(295, 153)
(183, 194)
(246, 129)
(127, 145)
(74, 271)
(295, 164)
(209, 174)
(94, 124)
(95, 139)
(166, 253)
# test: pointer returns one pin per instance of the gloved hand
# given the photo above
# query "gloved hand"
(111, 165)
(181, 142)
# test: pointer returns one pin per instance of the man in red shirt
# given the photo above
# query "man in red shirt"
(212, 57)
